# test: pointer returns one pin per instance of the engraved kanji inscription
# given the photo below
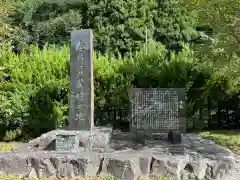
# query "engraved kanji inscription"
(81, 85)
(81, 49)
(81, 46)
(156, 109)
(80, 96)
(79, 116)
(65, 142)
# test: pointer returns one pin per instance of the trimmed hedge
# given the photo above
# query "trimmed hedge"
(35, 86)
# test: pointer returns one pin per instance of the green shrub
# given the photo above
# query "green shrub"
(29, 75)
(48, 109)
(34, 97)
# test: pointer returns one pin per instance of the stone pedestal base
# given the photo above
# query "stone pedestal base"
(123, 159)
(66, 140)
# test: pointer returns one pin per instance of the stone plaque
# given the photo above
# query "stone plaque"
(81, 81)
(157, 109)
(65, 142)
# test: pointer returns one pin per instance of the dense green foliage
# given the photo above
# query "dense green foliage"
(119, 25)
(5, 28)
(35, 96)
(173, 24)
(41, 73)
(220, 20)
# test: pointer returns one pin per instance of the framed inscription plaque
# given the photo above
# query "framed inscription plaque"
(157, 109)
(65, 142)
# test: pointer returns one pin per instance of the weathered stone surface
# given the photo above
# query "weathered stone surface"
(124, 161)
(123, 167)
(145, 165)
(168, 165)
(196, 164)
(81, 81)
(14, 163)
(98, 138)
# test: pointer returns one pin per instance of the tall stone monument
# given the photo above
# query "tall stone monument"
(81, 132)
(81, 81)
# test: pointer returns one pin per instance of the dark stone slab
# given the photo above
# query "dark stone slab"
(157, 109)
(81, 81)
(174, 137)
(140, 137)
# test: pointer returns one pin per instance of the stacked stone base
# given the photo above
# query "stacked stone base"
(66, 140)
(122, 165)
(195, 157)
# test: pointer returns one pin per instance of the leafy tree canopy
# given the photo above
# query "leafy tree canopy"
(119, 25)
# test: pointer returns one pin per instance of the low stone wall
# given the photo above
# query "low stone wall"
(195, 158)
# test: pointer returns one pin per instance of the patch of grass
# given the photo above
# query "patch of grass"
(152, 177)
(7, 177)
(81, 178)
(7, 146)
(227, 138)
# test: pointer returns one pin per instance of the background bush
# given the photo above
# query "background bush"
(34, 95)
(119, 26)
(34, 88)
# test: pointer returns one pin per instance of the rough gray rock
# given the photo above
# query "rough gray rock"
(234, 174)
(98, 138)
(195, 158)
